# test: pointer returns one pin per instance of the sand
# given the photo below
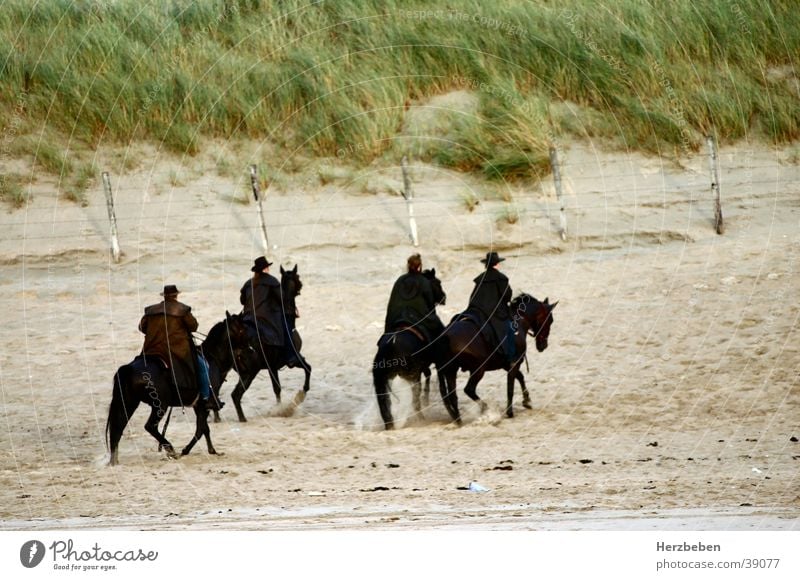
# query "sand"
(667, 398)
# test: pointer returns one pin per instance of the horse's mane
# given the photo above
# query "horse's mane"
(523, 297)
(215, 334)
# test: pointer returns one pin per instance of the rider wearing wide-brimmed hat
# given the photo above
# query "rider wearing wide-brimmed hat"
(167, 328)
(261, 298)
(490, 300)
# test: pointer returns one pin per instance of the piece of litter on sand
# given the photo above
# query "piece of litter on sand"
(756, 470)
(316, 494)
(476, 487)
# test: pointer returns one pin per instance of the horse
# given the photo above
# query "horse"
(147, 380)
(405, 353)
(273, 358)
(468, 350)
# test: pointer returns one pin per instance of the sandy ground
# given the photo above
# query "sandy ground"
(667, 399)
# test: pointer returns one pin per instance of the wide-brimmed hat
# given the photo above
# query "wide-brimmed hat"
(260, 263)
(492, 259)
(170, 290)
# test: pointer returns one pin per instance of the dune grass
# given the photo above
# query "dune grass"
(12, 190)
(334, 78)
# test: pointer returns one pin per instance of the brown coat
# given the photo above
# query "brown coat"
(167, 329)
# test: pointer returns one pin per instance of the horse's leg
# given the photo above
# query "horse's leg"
(447, 388)
(474, 378)
(241, 388)
(151, 426)
(380, 380)
(416, 391)
(215, 394)
(201, 429)
(307, 370)
(426, 394)
(276, 383)
(120, 411)
(514, 374)
(526, 397)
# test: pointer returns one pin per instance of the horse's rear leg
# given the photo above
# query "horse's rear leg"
(237, 394)
(416, 391)
(201, 429)
(426, 393)
(118, 416)
(380, 380)
(447, 388)
(151, 426)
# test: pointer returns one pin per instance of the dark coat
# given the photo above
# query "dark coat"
(490, 301)
(261, 298)
(167, 329)
(412, 303)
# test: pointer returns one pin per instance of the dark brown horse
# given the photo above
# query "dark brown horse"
(146, 380)
(404, 353)
(468, 351)
(262, 356)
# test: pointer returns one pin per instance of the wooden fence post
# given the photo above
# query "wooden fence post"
(409, 195)
(557, 181)
(259, 208)
(112, 218)
(714, 161)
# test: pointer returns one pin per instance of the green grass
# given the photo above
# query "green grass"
(12, 190)
(332, 79)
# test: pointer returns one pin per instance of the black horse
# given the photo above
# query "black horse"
(467, 350)
(405, 353)
(273, 358)
(147, 380)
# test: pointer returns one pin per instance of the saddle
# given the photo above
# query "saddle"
(156, 357)
(400, 327)
(467, 316)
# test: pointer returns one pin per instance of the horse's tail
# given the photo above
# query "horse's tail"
(123, 404)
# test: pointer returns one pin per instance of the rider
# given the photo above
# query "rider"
(489, 301)
(412, 303)
(261, 298)
(167, 328)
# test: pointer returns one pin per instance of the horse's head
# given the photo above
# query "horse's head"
(439, 297)
(538, 315)
(290, 286)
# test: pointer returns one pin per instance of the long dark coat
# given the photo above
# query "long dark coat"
(412, 302)
(261, 298)
(490, 301)
(167, 329)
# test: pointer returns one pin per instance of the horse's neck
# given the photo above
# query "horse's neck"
(216, 354)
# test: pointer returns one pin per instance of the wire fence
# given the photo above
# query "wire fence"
(586, 194)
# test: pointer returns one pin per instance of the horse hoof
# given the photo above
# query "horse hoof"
(184, 452)
(510, 414)
(527, 404)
